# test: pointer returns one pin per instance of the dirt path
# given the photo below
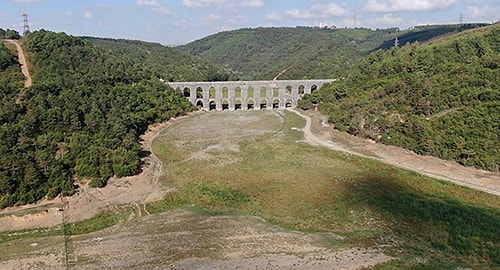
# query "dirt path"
(316, 132)
(22, 61)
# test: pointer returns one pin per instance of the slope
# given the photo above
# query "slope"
(168, 63)
(302, 52)
(440, 99)
(81, 118)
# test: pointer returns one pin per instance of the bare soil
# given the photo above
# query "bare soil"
(182, 239)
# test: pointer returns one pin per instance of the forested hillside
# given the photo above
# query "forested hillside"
(302, 52)
(81, 118)
(440, 99)
(165, 62)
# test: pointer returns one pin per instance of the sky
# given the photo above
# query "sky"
(176, 22)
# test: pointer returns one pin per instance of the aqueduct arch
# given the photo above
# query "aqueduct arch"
(245, 95)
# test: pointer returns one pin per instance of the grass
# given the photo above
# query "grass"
(313, 189)
(424, 223)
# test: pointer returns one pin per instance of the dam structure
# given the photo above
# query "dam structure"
(247, 95)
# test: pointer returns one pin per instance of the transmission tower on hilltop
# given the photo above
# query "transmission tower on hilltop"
(396, 42)
(26, 25)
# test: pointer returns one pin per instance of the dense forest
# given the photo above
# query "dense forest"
(9, 34)
(165, 62)
(81, 118)
(303, 52)
(441, 98)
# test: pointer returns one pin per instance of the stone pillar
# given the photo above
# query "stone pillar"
(231, 97)
(281, 96)
(244, 98)
(218, 98)
(206, 98)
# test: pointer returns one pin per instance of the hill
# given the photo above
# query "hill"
(441, 98)
(81, 118)
(165, 62)
(302, 52)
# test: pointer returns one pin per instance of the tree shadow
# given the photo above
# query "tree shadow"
(442, 223)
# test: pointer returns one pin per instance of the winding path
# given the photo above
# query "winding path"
(482, 180)
(22, 61)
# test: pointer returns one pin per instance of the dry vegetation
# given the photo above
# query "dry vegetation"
(247, 192)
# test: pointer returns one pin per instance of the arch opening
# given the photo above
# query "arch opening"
(186, 92)
(237, 92)
(199, 92)
(212, 106)
(225, 105)
(263, 103)
(237, 104)
(251, 104)
(301, 89)
(199, 104)
(288, 90)
(263, 92)
(225, 92)
(211, 92)
(276, 103)
(251, 92)
(288, 103)
(314, 87)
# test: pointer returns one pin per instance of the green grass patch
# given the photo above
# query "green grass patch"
(99, 222)
(313, 189)
(28, 233)
(171, 201)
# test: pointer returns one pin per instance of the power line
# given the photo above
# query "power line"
(26, 25)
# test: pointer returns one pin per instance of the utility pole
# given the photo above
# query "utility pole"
(461, 20)
(396, 42)
(26, 26)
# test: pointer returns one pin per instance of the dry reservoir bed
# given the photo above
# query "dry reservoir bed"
(187, 238)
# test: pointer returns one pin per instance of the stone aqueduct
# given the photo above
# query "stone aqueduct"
(244, 95)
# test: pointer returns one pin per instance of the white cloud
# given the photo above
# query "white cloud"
(201, 3)
(182, 23)
(387, 20)
(321, 11)
(252, 3)
(274, 17)
(87, 15)
(154, 5)
(484, 13)
(147, 3)
(211, 18)
(223, 3)
(406, 5)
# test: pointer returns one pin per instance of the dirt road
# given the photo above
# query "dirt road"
(316, 132)
(22, 61)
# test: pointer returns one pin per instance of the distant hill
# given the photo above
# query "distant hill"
(81, 118)
(428, 32)
(441, 98)
(301, 52)
(168, 63)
